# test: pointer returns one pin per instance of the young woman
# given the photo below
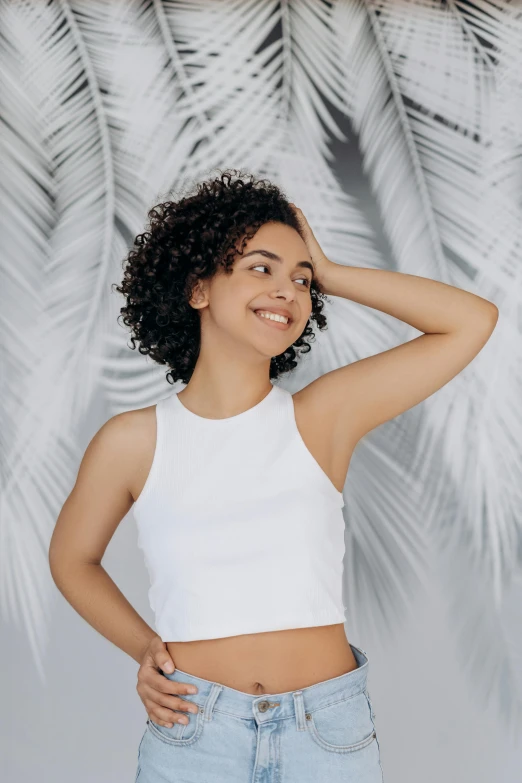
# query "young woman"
(237, 486)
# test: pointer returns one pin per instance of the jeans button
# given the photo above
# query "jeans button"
(262, 706)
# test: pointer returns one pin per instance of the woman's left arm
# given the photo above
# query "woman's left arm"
(427, 305)
(362, 395)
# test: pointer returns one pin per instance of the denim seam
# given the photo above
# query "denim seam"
(379, 754)
(339, 701)
(138, 771)
(372, 711)
(232, 714)
(177, 741)
(242, 717)
(341, 748)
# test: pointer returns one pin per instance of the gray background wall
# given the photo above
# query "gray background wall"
(395, 126)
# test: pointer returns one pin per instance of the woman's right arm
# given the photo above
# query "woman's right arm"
(98, 502)
(117, 458)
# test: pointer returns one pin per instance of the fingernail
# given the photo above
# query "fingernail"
(167, 667)
(192, 689)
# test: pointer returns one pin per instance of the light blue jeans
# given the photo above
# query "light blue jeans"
(325, 732)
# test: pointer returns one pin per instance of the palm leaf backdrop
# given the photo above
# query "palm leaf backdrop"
(109, 107)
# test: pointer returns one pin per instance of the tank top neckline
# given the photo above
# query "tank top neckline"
(205, 419)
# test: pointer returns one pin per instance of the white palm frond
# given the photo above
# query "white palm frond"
(67, 272)
(111, 107)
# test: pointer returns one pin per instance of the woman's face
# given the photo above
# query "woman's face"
(233, 304)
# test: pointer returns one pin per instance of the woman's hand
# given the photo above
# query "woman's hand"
(320, 262)
(160, 695)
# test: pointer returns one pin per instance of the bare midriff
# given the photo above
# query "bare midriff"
(270, 662)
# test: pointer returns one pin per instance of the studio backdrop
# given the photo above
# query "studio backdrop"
(397, 128)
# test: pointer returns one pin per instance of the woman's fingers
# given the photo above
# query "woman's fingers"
(162, 697)
(165, 701)
(165, 717)
(172, 702)
(167, 708)
(150, 680)
(150, 677)
(160, 654)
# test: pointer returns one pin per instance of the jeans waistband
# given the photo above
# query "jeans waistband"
(273, 706)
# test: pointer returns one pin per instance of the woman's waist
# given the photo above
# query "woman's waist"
(268, 662)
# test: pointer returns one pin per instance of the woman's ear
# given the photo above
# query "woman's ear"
(199, 296)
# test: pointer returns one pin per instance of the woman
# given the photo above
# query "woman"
(237, 486)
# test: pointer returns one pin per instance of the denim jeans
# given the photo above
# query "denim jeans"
(324, 732)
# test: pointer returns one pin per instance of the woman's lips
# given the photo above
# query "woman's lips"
(274, 324)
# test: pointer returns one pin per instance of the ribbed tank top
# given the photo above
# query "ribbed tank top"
(241, 529)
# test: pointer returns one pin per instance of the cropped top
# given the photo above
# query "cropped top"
(241, 529)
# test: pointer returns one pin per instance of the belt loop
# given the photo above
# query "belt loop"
(208, 709)
(300, 720)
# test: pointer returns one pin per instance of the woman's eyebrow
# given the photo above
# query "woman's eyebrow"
(275, 257)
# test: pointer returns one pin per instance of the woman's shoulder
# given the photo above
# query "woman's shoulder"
(127, 442)
(128, 427)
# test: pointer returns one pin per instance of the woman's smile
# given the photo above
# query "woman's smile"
(270, 319)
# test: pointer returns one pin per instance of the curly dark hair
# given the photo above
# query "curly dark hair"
(187, 240)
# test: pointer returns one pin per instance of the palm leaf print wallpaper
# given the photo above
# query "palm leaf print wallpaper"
(397, 128)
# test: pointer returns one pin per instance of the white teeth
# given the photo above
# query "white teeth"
(273, 317)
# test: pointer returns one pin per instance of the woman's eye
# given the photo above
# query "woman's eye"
(265, 266)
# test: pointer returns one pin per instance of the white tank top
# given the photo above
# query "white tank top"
(242, 531)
